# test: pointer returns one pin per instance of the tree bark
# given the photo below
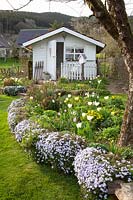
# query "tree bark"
(126, 134)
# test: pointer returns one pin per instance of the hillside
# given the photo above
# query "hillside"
(11, 22)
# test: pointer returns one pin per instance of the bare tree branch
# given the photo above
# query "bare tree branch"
(101, 12)
(16, 9)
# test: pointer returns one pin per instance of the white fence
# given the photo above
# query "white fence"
(75, 71)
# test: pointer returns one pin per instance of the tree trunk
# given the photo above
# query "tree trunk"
(126, 135)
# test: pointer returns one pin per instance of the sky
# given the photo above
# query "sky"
(73, 8)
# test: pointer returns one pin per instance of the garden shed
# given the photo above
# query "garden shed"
(64, 53)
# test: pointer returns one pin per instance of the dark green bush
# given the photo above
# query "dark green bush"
(14, 90)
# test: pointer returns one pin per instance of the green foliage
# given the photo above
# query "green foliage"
(109, 134)
(104, 69)
(63, 80)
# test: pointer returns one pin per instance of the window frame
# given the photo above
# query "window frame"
(73, 53)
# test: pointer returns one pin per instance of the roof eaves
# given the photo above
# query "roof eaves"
(63, 29)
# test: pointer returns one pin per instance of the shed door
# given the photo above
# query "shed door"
(59, 57)
(51, 62)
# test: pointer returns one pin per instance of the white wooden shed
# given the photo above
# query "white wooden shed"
(64, 53)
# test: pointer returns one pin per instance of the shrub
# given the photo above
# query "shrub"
(95, 168)
(59, 150)
(9, 82)
(14, 90)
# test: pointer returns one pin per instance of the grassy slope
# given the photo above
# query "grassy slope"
(23, 179)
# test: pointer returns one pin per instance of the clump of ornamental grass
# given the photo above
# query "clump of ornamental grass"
(95, 168)
(59, 150)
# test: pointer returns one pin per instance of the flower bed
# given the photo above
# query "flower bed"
(56, 126)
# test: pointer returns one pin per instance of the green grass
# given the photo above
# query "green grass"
(21, 178)
(9, 63)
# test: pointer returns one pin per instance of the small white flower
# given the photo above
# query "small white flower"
(76, 98)
(106, 97)
(99, 108)
(65, 100)
(31, 98)
(96, 103)
(79, 125)
(99, 81)
(69, 95)
(53, 101)
(87, 94)
(89, 117)
(83, 114)
(74, 119)
(69, 105)
(89, 103)
(93, 94)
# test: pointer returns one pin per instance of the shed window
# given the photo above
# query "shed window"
(72, 54)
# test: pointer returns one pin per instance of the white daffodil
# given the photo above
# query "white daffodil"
(89, 103)
(31, 98)
(69, 95)
(96, 103)
(69, 105)
(99, 81)
(83, 114)
(79, 125)
(106, 97)
(74, 119)
(76, 98)
(89, 117)
(99, 108)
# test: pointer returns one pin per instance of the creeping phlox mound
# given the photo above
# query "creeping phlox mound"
(59, 150)
(16, 113)
(95, 168)
(25, 129)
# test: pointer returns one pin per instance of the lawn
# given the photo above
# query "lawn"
(21, 178)
(10, 62)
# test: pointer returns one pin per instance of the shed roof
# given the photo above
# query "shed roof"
(29, 34)
(47, 34)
